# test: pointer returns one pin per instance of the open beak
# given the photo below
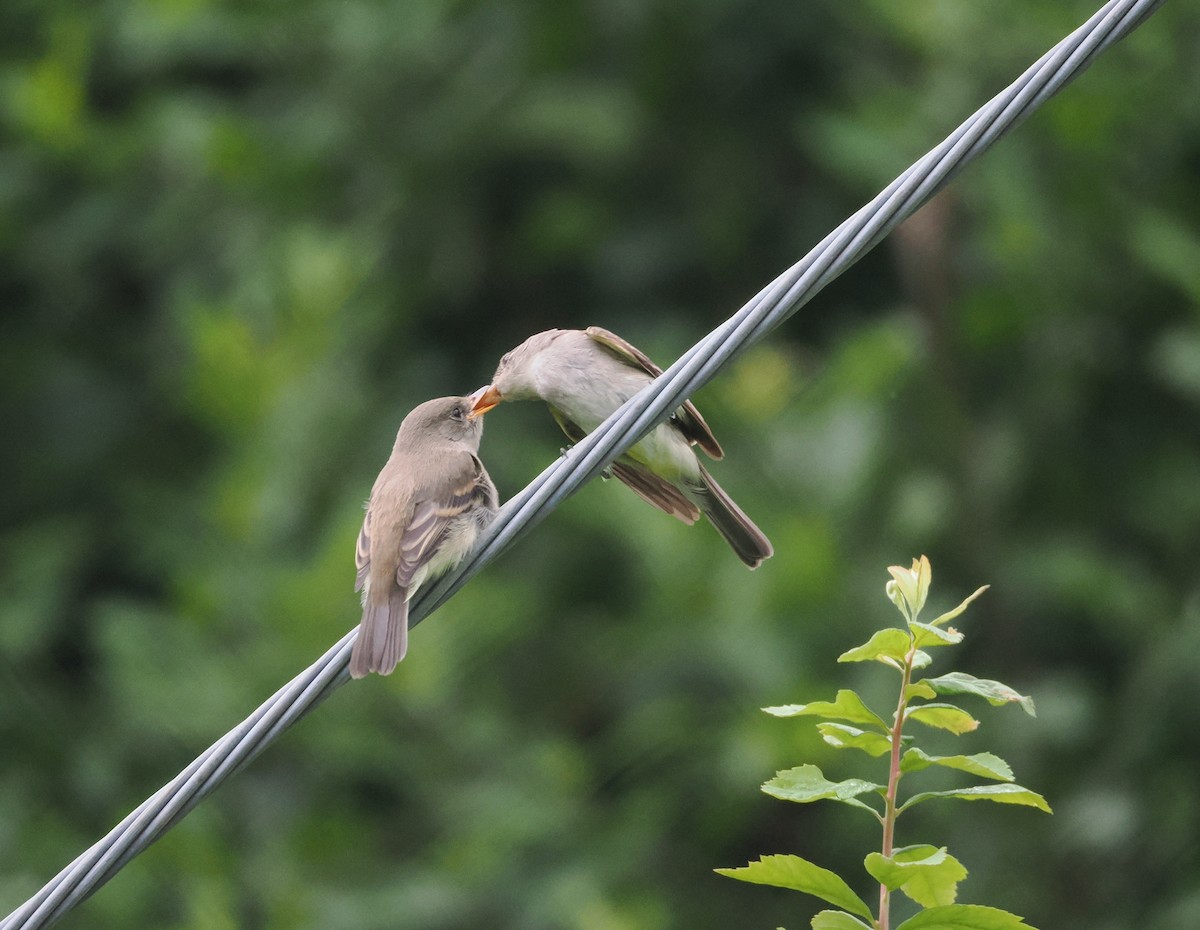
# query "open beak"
(483, 400)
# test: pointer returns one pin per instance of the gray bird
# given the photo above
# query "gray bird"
(584, 375)
(429, 503)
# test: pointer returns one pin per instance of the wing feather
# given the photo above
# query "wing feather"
(362, 553)
(460, 489)
(687, 417)
(655, 491)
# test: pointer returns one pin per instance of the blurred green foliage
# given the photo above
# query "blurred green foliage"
(238, 241)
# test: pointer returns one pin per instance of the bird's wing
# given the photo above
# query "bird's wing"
(687, 417)
(462, 485)
(485, 488)
(362, 553)
(656, 491)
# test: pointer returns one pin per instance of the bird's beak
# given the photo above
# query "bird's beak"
(484, 400)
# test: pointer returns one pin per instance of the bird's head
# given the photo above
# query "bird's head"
(447, 419)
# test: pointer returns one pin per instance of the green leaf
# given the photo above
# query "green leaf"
(805, 783)
(983, 764)
(922, 659)
(964, 917)
(1001, 794)
(846, 706)
(928, 875)
(994, 692)
(892, 870)
(951, 614)
(890, 646)
(944, 717)
(838, 920)
(801, 875)
(909, 586)
(919, 689)
(925, 634)
(842, 736)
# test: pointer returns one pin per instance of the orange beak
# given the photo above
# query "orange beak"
(483, 400)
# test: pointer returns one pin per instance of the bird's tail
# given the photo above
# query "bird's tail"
(745, 539)
(382, 637)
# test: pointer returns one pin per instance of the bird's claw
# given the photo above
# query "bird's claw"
(605, 473)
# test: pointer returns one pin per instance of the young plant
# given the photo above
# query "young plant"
(927, 874)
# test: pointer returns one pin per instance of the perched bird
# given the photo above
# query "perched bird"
(430, 501)
(584, 375)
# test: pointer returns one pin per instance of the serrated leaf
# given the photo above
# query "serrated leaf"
(891, 643)
(994, 692)
(951, 614)
(838, 920)
(806, 783)
(983, 764)
(846, 706)
(964, 917)
(801, 875)
(919, 689)
(890, 870)
(925, 634)
(1001, 794)
(937, 885)
(928, 875)
(843, 736)
(944, 717)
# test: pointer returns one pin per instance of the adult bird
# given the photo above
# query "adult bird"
(427, 506)
(585, 375)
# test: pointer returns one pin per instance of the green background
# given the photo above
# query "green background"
(238, 241)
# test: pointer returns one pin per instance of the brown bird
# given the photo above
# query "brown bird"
(585, 375)
(429, 503)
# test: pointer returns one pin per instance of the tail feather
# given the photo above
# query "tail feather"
(745, 539)
(382, 637)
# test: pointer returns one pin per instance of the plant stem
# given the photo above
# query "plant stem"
(889, 812)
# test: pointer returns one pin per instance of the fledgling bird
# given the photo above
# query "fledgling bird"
(430, 501)
(584, 375)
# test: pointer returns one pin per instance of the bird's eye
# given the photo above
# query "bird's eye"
(505, 359)
(459, 412)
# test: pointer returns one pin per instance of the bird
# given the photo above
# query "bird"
(585, 375)
(428, 505)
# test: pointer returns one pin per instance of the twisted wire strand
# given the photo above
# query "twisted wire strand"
(762, 313)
